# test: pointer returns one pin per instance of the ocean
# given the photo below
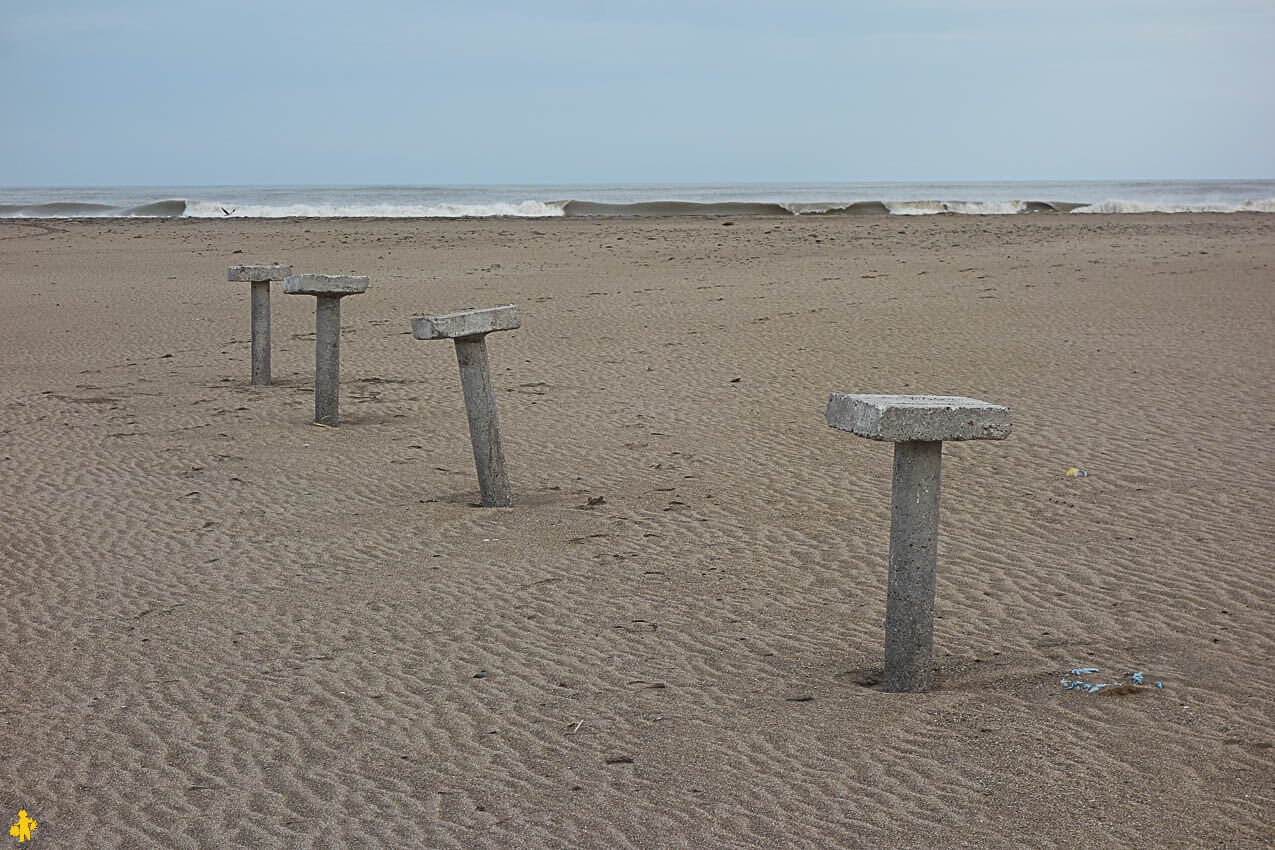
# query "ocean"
(547, 201)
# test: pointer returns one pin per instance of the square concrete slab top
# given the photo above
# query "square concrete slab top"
(923, 418)
(257, 273)
(324, 284)
(467, 323)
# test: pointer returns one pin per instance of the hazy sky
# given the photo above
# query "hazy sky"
(252, 91)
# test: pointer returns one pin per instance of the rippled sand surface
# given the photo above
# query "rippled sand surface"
(225, 626)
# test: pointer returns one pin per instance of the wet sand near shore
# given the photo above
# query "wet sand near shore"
(225, 626)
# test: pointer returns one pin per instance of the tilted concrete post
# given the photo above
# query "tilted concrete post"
(259, 276)
(469, 330)
(917, 425)
(328, 290)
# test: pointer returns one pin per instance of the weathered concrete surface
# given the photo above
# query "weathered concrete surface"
(469, 329)
(258, 273)
(902, 418)
(260, 276)
(327, 360)
(261, 333)
(917, 425)
(484, 425)
(339, 285)
(328, 290)
(467, 323)
(914, 540)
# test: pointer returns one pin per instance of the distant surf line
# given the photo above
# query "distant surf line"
(178, 208)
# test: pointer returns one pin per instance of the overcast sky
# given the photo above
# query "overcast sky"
(151, 92)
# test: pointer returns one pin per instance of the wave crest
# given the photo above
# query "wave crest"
(665, 208)
(581, 208)
(526, 209)
(1128, 207)
(70, 209)
(668, 208)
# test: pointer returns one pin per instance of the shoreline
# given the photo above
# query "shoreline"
(570, 200)
(779, 214)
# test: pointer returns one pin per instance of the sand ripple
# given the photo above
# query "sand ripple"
(228, 627)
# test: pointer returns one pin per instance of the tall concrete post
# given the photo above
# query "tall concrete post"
(484, 425)
(259, 276)
(469, 330)
(914, 542)
(328, 291)
(917, 425)
(261, 333)
(327, 360)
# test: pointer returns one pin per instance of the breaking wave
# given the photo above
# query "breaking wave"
(667, 208)
(580, 208)
(1267, 206)
(68, 209)
(525, 209)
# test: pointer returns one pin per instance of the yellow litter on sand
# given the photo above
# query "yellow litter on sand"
(1076, 472)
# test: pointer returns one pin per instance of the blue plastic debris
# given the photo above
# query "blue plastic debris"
(1081, 682)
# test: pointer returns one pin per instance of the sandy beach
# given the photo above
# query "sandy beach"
(225, 626)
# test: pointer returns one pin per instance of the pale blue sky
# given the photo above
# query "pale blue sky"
(387, 91)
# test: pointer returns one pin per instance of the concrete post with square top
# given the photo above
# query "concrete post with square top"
(259, 276)
(328, 290)
(469, 330)
(917, 425)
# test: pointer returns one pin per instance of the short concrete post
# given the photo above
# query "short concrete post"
(328, 289)
(469, 330)
(917, 425)
(259, 276)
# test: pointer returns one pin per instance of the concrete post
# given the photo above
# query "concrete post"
(259, 276)
(917, 425)
(328, 291)
(469, 330)
(914, 539)
(484, 425)
(261, 333)
(327, 360)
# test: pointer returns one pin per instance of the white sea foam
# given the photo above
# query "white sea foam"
(965, 207)
(530, 201)
(1117, 206)
(986, 207)
(525, 209)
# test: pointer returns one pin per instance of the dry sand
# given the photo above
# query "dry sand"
(224, 626)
